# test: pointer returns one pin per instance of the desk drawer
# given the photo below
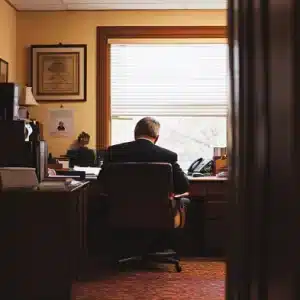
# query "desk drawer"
(216, 188)
(215, 237)
(203, 188)
(197, 190)
(215, 210)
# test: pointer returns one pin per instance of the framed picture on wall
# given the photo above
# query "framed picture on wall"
(61, 122)
(58, 72)
(3, 70)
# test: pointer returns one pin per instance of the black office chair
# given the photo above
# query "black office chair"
(141, 207)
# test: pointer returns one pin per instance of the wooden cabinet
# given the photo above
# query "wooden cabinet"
(43, 241)
(214, 229)
(211, 196)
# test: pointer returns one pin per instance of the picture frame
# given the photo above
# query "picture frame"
(61, 122)
(58, 72)
(3, 70)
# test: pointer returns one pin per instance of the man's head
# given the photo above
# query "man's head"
(147, 128)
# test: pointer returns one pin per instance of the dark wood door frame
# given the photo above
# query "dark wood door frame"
(103, 112)
(263, 247)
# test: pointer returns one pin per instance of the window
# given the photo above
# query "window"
(183, 85)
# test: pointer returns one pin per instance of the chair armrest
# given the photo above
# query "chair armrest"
(179, 209)
(184, 195)
(177, 200)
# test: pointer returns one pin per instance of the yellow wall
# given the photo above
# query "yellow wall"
(8, 37)
(80, 27)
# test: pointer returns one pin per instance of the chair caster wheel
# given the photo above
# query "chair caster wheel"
(178, 268)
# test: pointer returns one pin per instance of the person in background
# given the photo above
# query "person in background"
(79, 154)
(82, 141)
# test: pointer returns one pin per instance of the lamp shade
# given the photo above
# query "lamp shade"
(29, 99)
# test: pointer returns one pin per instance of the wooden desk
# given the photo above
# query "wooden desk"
(43, 242)
(207, 215)
(205, 230)
(207, 187)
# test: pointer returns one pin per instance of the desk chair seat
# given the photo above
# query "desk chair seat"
(140, 201)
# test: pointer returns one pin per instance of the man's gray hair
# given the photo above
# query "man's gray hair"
(147, 127)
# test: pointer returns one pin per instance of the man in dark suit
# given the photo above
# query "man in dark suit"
(144, 149)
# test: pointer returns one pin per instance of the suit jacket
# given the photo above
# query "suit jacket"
(143, 150)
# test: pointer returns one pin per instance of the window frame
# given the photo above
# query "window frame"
(104, 34)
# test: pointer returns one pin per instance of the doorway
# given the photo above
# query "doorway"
(110, 37)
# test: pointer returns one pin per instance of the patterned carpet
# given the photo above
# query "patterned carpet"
(199, 280)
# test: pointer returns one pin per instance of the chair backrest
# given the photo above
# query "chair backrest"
(138, 195)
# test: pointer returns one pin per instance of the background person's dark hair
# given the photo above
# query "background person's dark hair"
(147, 127)
(83, 135)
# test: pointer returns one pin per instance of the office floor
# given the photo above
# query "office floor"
(199, 280)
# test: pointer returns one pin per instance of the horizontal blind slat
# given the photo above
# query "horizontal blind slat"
(169, 80)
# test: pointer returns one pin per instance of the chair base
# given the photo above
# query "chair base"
(159, 257)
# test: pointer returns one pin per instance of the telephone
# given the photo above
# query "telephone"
(201, 167)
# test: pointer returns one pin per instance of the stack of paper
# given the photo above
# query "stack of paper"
(88, 170)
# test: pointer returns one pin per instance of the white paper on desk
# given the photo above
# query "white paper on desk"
(74, 182)
(65, 163)
(88, 170)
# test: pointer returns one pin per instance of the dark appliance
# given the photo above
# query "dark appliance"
(9, 101)
(207, 167)
(20, 150)
(201, 167)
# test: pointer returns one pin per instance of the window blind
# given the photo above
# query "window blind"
(169, 80)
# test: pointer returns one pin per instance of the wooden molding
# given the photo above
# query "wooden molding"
(11, 5)
(103, 110)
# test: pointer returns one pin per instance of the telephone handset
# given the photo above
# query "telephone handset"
(194, 165)
(201, 167)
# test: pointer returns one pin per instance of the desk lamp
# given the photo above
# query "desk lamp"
(28, 100)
